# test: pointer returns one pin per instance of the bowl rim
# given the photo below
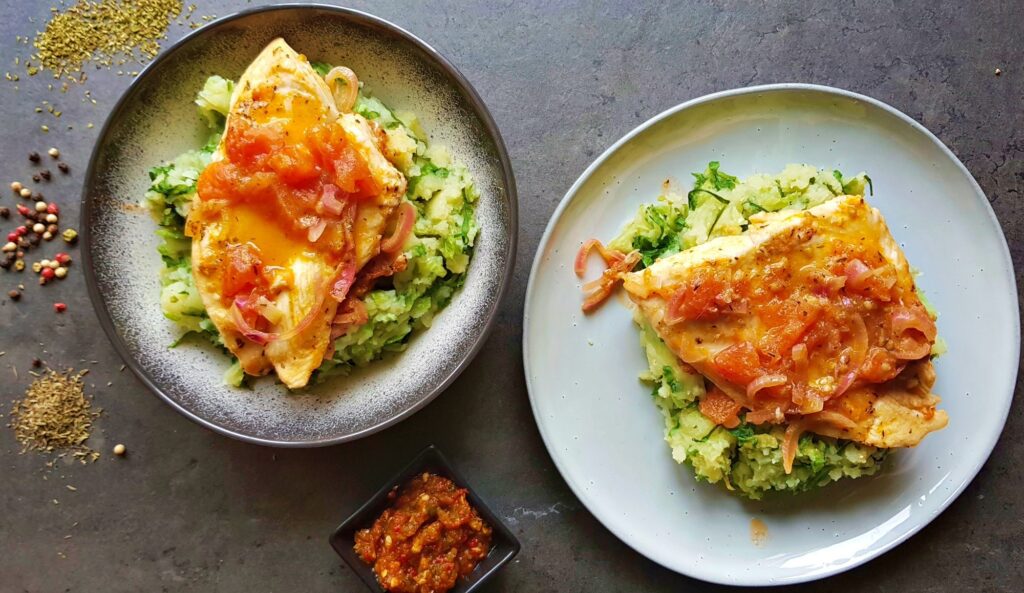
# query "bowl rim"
(465, 89)
(784, 87)
(504, 543)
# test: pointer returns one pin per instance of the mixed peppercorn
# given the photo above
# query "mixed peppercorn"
(40, 222)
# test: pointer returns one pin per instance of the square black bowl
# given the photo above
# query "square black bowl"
(504, 545)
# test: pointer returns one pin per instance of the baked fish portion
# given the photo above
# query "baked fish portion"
(294, 203)
(809, 318)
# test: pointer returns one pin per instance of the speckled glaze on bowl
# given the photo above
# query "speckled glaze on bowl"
(156, 120)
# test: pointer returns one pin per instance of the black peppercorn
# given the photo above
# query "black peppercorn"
(37, 363)
(14, 294)
(63, 167)
(45, 174)
(36, 178)
(5, 212)
(33, 239)
(33, 156)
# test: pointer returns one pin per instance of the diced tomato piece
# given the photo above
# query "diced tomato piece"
(246, 143)
(738, 363)
(787, 321)
(352, 175)
(720, 408)
(243, 271)
(880, 366)
(346, 172)
(294, 165)
(697, 297)
(215, 181)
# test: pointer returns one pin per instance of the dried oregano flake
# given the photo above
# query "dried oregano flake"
(108, 31)
(55, 416)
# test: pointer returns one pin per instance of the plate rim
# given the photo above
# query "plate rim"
(463, 86)
(694, 570)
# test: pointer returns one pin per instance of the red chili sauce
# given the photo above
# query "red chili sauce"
(427, 539)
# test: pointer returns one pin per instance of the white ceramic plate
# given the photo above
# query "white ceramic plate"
(605, 434)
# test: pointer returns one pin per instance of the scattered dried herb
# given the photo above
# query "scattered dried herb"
(55, 415)
(108, 31)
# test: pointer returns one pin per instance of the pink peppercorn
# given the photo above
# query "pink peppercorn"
(52, 208)
(62, 258)
(47, 273)
(60, 307)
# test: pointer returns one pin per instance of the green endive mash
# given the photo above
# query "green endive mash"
(438, 252)
(748, 458)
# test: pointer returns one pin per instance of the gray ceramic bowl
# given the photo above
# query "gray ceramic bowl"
(156, 120)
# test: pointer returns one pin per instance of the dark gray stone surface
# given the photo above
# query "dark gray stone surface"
(189, 510)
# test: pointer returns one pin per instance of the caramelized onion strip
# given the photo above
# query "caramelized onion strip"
(914, 331)
(610, 256)
(597, 291)
(790, 444)
(764, 382)
(403, 228)
(344, 87)
(259, 337)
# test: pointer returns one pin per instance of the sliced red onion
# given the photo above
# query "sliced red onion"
(790, 444)
(329, 201)
(346, 276)
(857, 274)
(354, 315)
(845, 383)
(259, 337)
(610, 256)
(907, 323)
(403, 228)
(597, 291)
(345, 95)
(764, 382)
(907, 318)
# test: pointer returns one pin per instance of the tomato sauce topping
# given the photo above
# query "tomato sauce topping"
(803, 328)
(304, 180)
(427, 539)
